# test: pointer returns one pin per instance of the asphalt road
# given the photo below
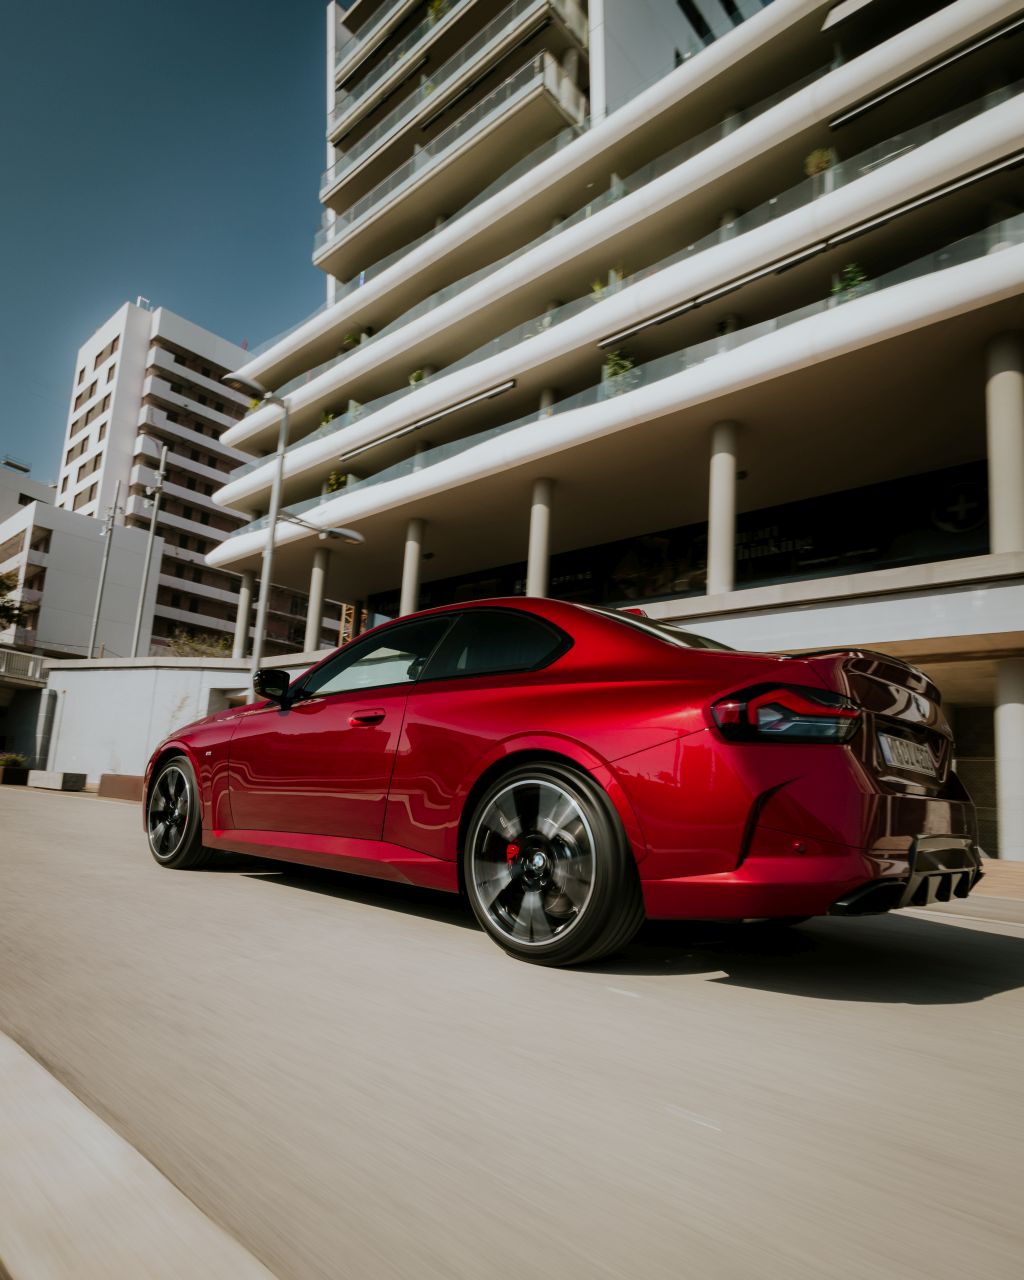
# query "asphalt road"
(354, 1082)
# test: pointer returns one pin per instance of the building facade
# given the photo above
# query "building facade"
(55, 559)
(146, 379)
(713, 307)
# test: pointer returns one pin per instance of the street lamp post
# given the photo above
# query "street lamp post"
(254, 389)
(108, 533)
(156, 492)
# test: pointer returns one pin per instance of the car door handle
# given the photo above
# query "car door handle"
(375, 716)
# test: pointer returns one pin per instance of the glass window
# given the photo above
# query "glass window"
(486, 641)
(395, 656)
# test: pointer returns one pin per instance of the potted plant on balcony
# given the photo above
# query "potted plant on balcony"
(851, 282)
(416, 377)
(335, 482)
(618, 373)
(350, 340)
(436, 10)
(12, 769)
(817, 166)
(326, 418)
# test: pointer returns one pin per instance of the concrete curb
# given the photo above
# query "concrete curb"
(77, 1202)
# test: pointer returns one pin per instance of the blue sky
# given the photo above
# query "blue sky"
(170, 150)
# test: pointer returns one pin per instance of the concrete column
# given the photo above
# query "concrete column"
(722, 509)
(1004, 408)
(727, 224)
(538, 553)
(411, 566)
(1009, 727)
(547, 399)
(241, 641)
(315, 609)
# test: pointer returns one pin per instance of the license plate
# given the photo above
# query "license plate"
(907, 755)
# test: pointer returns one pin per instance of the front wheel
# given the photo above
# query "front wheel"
(173, 821)
(549, 871)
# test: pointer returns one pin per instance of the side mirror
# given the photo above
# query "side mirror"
(269, 682)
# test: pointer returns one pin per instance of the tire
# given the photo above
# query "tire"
(548, 870)
(173, 821)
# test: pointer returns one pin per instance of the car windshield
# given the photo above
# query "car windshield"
(660, 630)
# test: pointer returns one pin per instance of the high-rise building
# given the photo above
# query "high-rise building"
(148, 378)
(711, 307)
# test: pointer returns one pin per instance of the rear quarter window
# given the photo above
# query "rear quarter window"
(492, 641)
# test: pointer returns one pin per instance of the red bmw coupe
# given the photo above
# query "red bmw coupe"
(574, 769)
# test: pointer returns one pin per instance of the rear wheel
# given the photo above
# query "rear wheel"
(549, 871)
(173, 821)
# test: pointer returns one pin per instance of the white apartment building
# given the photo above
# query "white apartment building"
(18, 489)
(148, 378)
(715, 306)
(54, 558)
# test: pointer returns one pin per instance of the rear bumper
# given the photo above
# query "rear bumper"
(941, 868)
(931, 869)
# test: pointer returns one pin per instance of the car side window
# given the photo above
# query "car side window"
(489, 641)
(395, 656)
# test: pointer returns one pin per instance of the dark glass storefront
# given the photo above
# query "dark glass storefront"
(940, 515)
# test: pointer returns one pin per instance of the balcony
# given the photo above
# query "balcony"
(217, 594)
(459, 76)
(351, 46)
(564, 26)
(140, 507)
(21, 668)
(537, 100)
(871, 166)
(143, 477)
(161, 359)
(157, 420)
(205, 620)
(157, 389)
(147, 447)
(988, 245)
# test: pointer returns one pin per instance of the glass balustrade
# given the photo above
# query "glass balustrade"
(489, 37)
(839, 175)
(992, 239)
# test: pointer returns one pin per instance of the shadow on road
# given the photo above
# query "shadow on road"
(894, 959)
(448, 907)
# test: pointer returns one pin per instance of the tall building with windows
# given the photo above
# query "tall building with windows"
(148, 378)
(716, 308)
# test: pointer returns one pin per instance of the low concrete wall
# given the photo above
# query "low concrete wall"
(110, 714)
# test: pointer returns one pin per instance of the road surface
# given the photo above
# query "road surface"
(353, 1082)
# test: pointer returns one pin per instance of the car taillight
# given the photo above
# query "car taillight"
(786, 713)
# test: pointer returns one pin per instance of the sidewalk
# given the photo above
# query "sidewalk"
(77, 1202)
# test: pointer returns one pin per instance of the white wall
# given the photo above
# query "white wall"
(110, 715)
(14, 485)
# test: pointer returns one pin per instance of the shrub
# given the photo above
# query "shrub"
(200, 644)
(11, 760)
(820, 159)
(850, 279)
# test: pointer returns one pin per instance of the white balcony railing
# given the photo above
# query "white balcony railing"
(21, 666)
(475, 50)
(543, 70)
(993, 239)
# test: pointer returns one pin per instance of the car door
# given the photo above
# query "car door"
(487, 680)
(321, 764)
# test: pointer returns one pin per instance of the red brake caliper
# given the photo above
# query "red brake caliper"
(511, 853)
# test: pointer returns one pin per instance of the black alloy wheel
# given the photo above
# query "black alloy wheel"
(173, 821)
(549, 872)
